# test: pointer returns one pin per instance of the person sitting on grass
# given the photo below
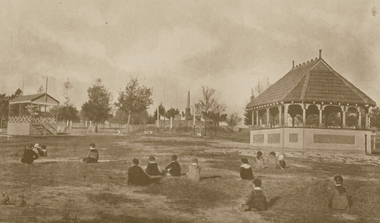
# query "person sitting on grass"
(339, 199)
(136, 175)
(246, 170)
(256, 200)
(29, 155)
(40, 150)
(152, 168)
(272, 161)
(93, 155)
(259, 160)
(194, 173)
(281, 161)
(174, 169)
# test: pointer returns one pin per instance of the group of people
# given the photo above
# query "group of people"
(338, 202)
(137, 176)
(260, 162)
(33, 152)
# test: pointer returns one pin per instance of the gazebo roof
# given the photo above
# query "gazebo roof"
(313, 81)
(38, 99)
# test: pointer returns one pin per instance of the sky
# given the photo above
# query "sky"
(179, 46)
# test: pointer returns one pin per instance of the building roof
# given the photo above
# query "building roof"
(35, 99)
(313, 81)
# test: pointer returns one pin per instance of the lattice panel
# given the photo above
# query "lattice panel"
(19, 119)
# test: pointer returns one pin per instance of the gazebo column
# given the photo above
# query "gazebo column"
(303, 115)
(359, 118)
(344, 110)
(257, 118)
(366, 110)
(253, 117)
(320, 108)
(279, 115)
(286, 107)
(268, 124)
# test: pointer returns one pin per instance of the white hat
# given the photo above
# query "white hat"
(37, 145)
(281, 157)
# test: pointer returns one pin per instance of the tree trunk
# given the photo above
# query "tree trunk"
(129, 119)
(205, 127)
(96, 128)
(215, 129)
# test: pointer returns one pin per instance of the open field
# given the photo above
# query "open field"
(60, 188)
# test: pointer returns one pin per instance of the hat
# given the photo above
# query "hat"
(37, 145)
(281, 157)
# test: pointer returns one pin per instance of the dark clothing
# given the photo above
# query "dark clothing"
(282, 164)
(137, 176)
(152, 170)
(29, 156)
(257, 201)
(42, 152)
(174, 169)
(246, 172)
(339, 199)
(92, 156)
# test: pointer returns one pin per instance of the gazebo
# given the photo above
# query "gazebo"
(312, 108)
(29, 115)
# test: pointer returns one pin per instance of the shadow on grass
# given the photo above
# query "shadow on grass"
(111, 199)
(273, 201)
(210, 177)
(188, 194)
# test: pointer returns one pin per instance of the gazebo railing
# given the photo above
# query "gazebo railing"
(29, 119)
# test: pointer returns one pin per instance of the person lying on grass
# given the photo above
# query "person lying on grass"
(259, 160)
(256, 200)
(194, 173)
(174, 169)
(152, 168)
(246, 170)
(29, 155)
(93, 155)
(137, 176)
(339, 200)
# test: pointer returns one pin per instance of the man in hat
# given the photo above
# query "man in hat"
(339, 199)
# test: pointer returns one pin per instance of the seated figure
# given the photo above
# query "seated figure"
(29, 155)
(92, 156)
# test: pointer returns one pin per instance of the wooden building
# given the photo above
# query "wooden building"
(301, 110)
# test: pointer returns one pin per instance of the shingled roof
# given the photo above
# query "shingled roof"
(313, 81)
(33, 98)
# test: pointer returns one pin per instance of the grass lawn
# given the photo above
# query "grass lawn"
(60, 188)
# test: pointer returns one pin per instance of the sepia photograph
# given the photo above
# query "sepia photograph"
(189, 111)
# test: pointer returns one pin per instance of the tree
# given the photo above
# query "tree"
(248, 116)
(161, 109)
(206, 103)
(374, 116)
(233, 119)
(67, 87)
(134, 99)
(171, 113)
(215, 115)
(98, 107)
